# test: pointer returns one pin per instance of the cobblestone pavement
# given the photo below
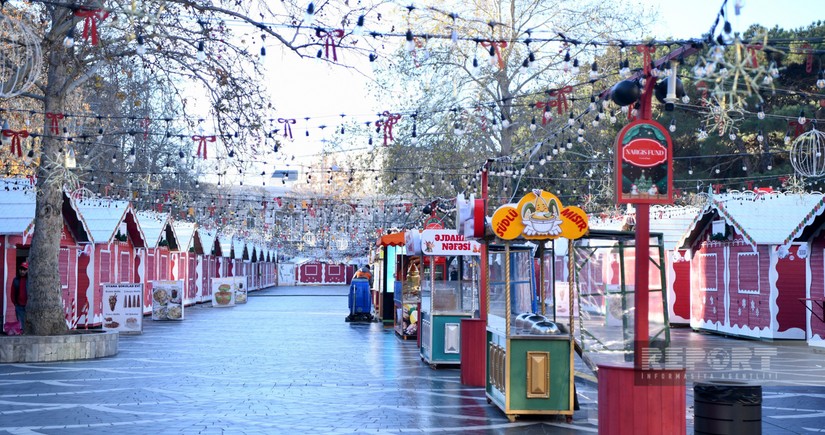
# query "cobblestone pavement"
(286, 362)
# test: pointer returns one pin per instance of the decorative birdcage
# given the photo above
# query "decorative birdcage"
(21, 59)
(808, 154)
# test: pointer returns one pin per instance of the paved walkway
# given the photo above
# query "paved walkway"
(286, 362)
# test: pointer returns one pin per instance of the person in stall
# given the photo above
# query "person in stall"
(19, 293)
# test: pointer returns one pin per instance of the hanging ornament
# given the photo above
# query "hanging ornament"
(808, 154)
(328, 38)
(625, 93)
(55, 121)
(16, 142)
(22, 57)
(288, 122)
(495, 48)
(387, 124)
(202, 140)
(91, 18)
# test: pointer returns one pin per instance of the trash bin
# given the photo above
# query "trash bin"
(727, 407)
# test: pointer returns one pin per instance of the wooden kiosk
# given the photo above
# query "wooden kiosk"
(449, 293)
(529, 362)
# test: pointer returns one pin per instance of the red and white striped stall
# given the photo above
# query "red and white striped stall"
(206, 262)
(17, 207)
(749, 273)
(156, 257)
(117, 235)
(186, 262)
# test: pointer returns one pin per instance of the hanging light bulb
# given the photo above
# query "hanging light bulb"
(820, 83)
(594, 71)
(569, 143)
(575, 68)
(702, 135)
(141, 47)
(201, 53)
(624, 71)
(130, 159)
(613, 117)
(309, 14)
(760, 137)
(114, 158)
(71, 159)
(410, 44)
(801, 120)
(565, 65)
(68, 41)
(787, 138)
(533, 125)
(672, 126)
(359, 26)
(571, 120)
(505, 123)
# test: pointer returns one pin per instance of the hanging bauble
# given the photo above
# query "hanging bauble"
(21, 60)
(625, 93)
(660, 90)
(808, 154)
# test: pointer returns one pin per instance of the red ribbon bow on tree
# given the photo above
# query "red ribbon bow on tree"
(145, 124)
(497, 46)
(647, 51)
(753, 51)
(560, 101)
(32, 179)
(15, 136)
(797, 127)
(329, 41)
(202, 140)
(55, 118)
(717, 187)
(287, 128)
(392, 119)
(91, 16)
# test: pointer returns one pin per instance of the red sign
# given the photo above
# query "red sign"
(644, 164)
(646, 153)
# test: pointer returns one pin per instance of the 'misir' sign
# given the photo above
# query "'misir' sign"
(644, 166)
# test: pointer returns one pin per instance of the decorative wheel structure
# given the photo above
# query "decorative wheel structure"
(21, 59)
(808, 154)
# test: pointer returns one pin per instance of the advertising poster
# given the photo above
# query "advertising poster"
(447, 243)
(123, 308)
(223, 292)
(241, 285)
(167, 300)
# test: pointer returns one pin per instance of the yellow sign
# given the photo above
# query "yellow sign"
(539, 215)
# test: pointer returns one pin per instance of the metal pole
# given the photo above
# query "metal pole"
(641, 289)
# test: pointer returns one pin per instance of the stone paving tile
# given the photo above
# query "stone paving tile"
(286, 362)
(281, 364)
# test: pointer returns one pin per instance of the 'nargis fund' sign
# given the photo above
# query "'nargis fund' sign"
(644, 166)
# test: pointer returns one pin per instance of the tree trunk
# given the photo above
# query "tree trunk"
(44, 312)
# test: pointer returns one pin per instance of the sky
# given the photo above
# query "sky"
(311, 88)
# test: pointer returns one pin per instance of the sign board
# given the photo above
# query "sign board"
(223, 292)
(166, 300)
(644, 164)
(539, 215)
(240, 286)
(447, 243)
(123, 308)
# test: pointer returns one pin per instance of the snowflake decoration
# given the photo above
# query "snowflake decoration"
(739, 75)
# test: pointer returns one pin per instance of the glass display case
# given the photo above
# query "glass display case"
(449, 293)
(529, 356)
(407, 296)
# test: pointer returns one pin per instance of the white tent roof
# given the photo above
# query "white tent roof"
(765, 218)
(153, 225)
(186, 234)
(17, 203)
(103, 218)
(226, 245)
(207, 238)
(238, 246)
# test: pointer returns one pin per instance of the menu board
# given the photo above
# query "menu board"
(123, 308)
(240, 287)
(166, 300)
(223, 292)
